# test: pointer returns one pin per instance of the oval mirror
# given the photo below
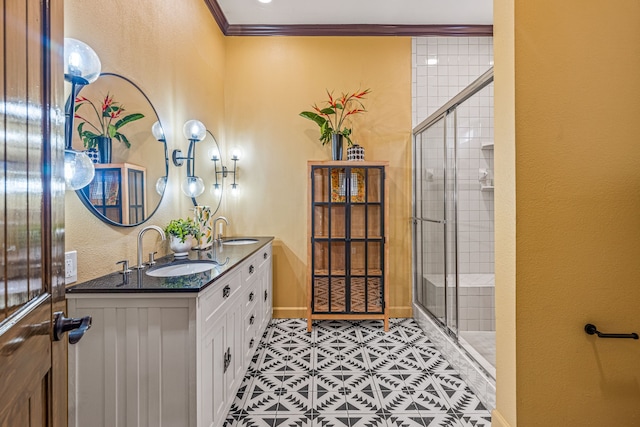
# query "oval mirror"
(209, 160)
(115, 123)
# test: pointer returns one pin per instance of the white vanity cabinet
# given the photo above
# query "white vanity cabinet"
(220, 366)
(257, 277)
(266, 286)
(168, 358)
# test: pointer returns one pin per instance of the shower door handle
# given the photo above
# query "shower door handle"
(436, 221)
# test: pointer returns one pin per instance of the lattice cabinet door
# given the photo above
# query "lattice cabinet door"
(118, 192)
(347, 241)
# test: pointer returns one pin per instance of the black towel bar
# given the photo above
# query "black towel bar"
(592, 330)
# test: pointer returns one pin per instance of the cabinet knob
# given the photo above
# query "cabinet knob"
(251, 269)
(226, 291)
(252, 319)
(264, 255)
(251, 343)
(251, 296)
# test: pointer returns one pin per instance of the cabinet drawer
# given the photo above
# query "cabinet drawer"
(251, 342)
(256, 262)
(217, 298)
(264, 256)
(251, 295)
(251, 321)
(249, 269)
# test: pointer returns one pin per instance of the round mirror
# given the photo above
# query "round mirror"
(118, 127)
(209, 162)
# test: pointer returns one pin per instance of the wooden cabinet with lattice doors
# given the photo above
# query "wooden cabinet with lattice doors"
(118, 192)
(347, 243)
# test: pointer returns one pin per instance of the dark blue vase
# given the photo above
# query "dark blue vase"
(104, 148)
(336, 146)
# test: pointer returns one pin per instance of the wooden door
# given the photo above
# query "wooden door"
(32, 366)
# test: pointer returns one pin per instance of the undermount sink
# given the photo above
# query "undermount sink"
(182, 269)
(240, 242)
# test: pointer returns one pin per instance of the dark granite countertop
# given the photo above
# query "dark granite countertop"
(227, 256)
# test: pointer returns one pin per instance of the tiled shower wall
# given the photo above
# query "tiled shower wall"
(475, 189)
(442, 67)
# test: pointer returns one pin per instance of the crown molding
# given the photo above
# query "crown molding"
(344, 30)
(360, 30)
(218, 15)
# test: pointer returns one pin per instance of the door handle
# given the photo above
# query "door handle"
(75, 326)
(435, 221)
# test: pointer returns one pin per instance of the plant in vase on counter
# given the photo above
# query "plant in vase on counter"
(181, 233)
(109, 119)
(332, 115)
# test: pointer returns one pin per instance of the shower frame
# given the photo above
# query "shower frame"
(445, 113)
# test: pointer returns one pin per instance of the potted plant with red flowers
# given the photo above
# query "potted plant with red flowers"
(99, 133)
(331, 118)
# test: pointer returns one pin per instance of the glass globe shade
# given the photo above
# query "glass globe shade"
(81, 63)
(193, 186)
(161, 184)
(214, 154)
(78, 169)
(194, 130)
(235, 191)
(236, 154)
(158, 131)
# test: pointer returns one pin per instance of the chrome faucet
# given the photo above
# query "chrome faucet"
(226, 221)
(140, 265)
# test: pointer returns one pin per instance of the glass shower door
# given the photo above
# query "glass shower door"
(453, 237)
(430, 221)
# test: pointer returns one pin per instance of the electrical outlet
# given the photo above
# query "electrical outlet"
(70, 267)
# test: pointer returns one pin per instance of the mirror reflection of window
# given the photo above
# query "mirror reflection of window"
(125, 191)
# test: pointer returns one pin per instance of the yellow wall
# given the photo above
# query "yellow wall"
(269, 81)
(176, 55)
(249, 92)
(577, 249)
(505, 214)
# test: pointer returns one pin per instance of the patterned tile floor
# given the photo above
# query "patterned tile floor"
(352, 374)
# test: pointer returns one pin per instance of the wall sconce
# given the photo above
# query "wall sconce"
(214, 155)
(194, 131)
(158, 134)
(81, 67)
